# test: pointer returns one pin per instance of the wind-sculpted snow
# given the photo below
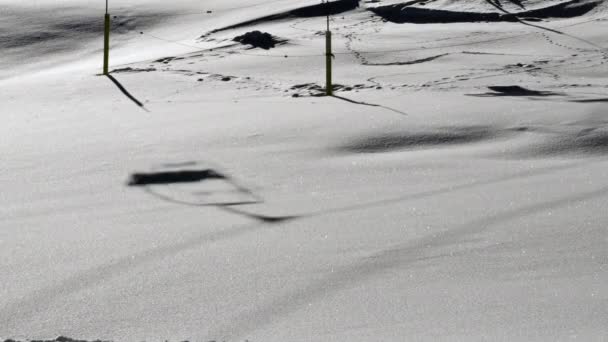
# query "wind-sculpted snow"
(29, 35)
(66, 28)
(386, 142)
(319, 10)
(575, 142)
(420, 15)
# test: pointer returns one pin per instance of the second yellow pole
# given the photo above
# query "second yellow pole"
(106, 45)
(328, 76)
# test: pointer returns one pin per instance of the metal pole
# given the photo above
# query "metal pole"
(106, 42)
(328, 55)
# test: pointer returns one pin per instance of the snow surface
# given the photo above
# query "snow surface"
(433, 209)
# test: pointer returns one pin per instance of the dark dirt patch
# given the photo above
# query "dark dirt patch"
(313, 89)
(258, 39)
(132, 70)
(385, 142)
(58, 339)
(167, 60)
(223, 78)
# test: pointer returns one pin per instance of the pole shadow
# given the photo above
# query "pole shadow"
(368, 104)
(126, 92)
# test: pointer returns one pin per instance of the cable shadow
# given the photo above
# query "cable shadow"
(404, 255)
(226, 206)
(368, 104)
(257, 217)
(588, 42)
(521, 21)
(444, 190)
(39, 300)
(417, 61)
(126, 92)
(171, 200)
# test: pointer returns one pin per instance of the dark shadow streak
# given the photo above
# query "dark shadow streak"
(515, 91)
(511, 95)
(561, 33)
(401, 256)
(257, 217)
(417, 61)
(311, 11)
(126, 92)
(605, 99)
(368, 104)
(37, 301)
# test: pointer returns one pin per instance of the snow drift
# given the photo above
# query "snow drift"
(403, 13)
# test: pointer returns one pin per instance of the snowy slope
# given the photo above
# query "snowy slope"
(431, 208)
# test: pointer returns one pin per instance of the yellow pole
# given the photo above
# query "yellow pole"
(328, 81)
(329, 91)
(106, 45)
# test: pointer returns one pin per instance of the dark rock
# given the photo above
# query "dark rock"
(64, 339)
(258, 39)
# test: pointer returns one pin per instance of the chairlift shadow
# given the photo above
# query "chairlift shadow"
(148, 180)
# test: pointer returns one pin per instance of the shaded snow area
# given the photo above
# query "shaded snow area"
(454, 188)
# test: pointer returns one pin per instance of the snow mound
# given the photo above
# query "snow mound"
(385, 142)
(30, 36)
(590, 141)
